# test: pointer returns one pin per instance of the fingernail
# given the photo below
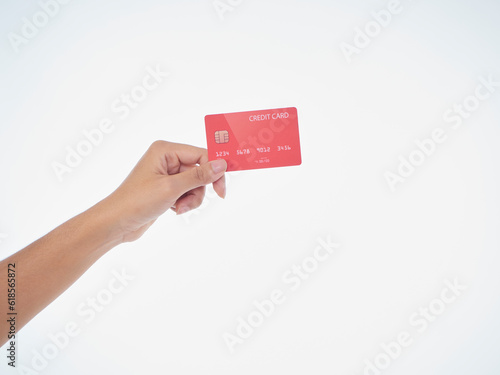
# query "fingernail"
(219, 165)
(182, 210)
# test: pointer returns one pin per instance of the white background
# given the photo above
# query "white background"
(195, 276)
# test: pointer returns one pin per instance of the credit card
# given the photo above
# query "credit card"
(254, 139)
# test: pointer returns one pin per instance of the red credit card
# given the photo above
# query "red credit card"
(254, 139)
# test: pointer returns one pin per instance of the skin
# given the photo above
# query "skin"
(168, 176)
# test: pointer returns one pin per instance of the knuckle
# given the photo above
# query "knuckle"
(200, 174)
(158, 145)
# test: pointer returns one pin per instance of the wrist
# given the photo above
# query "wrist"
(105, 224)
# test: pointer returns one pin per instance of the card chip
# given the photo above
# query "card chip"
(221, 136)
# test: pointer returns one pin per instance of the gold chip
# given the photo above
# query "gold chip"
(221, 136)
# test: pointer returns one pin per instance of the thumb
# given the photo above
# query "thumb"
(198, 176)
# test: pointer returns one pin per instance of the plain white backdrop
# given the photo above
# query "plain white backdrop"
(195, 276)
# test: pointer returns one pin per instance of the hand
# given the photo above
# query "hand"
(168, 176)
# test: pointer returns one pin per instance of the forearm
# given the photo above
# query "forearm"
(47, 267)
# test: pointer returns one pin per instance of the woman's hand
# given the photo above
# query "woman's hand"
(168, 176)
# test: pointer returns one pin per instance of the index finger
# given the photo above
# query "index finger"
(180, 157)
(188, 154)
(175, 155)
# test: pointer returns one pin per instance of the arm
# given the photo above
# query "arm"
(169, 176)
